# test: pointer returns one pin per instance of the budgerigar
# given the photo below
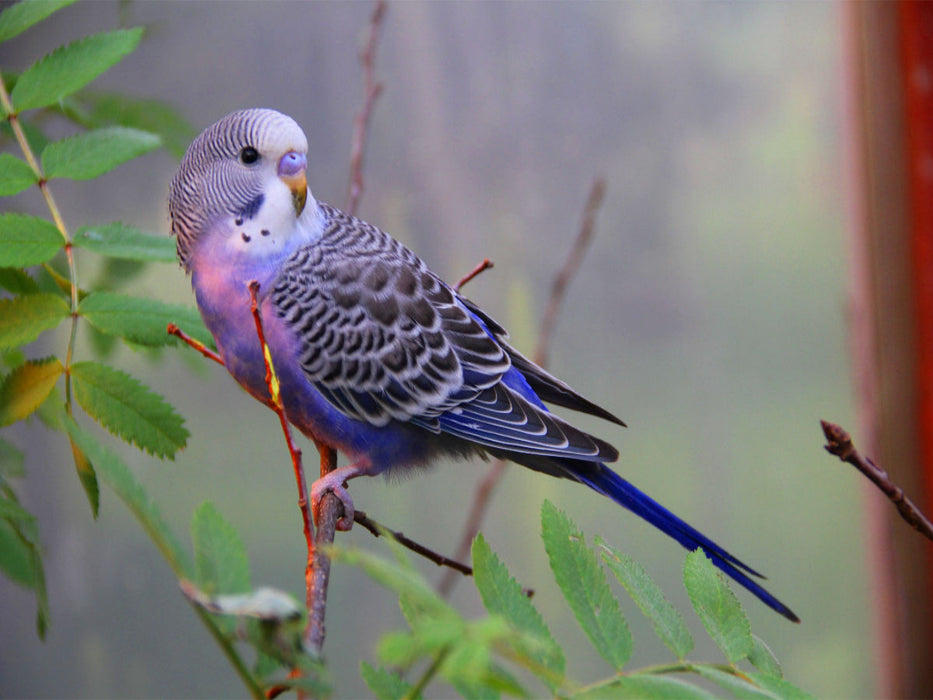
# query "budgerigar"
(376, 355)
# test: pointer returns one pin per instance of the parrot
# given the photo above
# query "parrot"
(376, 355)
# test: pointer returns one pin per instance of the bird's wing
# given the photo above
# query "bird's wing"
(383, 338)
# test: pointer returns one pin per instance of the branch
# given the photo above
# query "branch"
(839, 443)
(371, 91)
(484, 491)
(378, 530)
(487, 264)
(172, 329)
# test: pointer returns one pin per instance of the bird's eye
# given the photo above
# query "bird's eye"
(249, 155)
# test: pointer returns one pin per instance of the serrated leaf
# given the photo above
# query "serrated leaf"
(118, 240)
(764, 659)
(220, 561)
(26, 387)
(25, 318)
(85, 156)
(502, 595)
(668, 624)
(15, 175)
(87, 476)
(17, 281)
(11, 510)
(384, 684)
(780, 687)
(644, 686)
(142, 321)
(17, 18)
(69, 68)
(585, 587)
(11, 461)
(16, 560)
(21, 559)
(738, 686)
(154, 116)
(717, 607)
(128, 409)
(118, 477)
(27, 240)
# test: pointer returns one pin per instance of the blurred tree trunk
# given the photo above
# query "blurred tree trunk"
(889, 63)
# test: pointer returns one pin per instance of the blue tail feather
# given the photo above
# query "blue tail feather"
(610, 484)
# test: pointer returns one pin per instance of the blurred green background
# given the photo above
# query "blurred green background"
(709, 313)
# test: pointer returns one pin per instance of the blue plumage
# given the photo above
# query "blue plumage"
(376, 355)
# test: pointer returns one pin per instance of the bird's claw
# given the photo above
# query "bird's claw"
(332, 483)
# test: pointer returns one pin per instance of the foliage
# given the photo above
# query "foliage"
(40, 292)
(482, 658)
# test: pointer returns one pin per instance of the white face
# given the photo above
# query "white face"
(241, 188)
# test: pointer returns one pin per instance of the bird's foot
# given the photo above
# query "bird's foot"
(335, 482)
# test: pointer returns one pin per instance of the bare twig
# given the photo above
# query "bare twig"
(378, 529)
(330, 512)
(172, 329)
(487, 264)
(569, 269)
(483, 494)
(839, 443)
(371, 91)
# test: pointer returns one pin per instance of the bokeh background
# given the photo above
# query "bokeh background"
(709, 312)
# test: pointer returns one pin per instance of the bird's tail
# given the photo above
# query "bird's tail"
(610, 484)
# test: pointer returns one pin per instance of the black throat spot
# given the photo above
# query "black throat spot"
(252, 207)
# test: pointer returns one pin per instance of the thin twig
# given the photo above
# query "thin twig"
(377, 529)
(839, 443)
(272, 382)
(172, 329)
(483, 494)
(487, 264)
(371, 91)
(569, 269)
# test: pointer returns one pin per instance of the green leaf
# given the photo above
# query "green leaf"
(154, 116)
(19, 17)
(128, 409)
(69, 68)
(21, 558)
(118, 477)
(780, 687)
(643, 686)
(26, 387)
(585, 587)
(118, 240)
(11, 461)
(668, 624)
(25, 318)
(85, 156)
(27, 240)
(87, 476)
(17, 281)
(384, 684)
(502, 595)
(15, 175)
(220, 561)
(142, 321)
(735, 684)
(764, 659)
(717, 607)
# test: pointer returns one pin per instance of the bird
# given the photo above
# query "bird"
(376, 355)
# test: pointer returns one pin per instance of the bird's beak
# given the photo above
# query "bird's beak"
(292, 172)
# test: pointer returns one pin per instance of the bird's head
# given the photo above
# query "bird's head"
(242, 179)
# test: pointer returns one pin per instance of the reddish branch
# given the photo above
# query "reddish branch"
(839, 443)
(487, 264)
(371, 91)
(272, 383)
(172, 329)
(483, 494)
